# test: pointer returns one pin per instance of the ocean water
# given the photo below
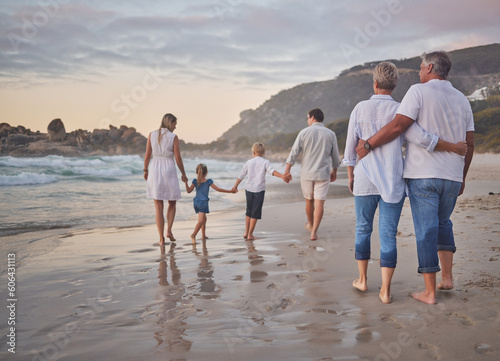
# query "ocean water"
(56, 192)
(44, 197)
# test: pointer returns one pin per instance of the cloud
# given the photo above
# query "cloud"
(255, 43)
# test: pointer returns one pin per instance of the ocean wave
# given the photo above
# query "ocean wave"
(49, 169)
(30, 227)
(27, 178)
(50, 161)
(99, 172)
(57, 161)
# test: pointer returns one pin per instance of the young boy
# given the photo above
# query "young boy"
(256, 169)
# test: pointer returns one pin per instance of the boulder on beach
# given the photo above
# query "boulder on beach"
(56, 130)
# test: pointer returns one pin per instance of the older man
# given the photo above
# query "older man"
(320, 160)
(435, 179)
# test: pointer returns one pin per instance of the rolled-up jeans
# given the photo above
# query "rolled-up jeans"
(389, 214)
(432, 202)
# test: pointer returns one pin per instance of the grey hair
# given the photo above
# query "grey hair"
(441, 63)
(386, 75)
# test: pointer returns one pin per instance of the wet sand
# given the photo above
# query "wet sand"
(113, 294)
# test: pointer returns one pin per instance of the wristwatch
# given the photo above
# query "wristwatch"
(367, 146)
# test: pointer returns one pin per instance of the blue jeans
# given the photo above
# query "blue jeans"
(432, 201)
(389, 214)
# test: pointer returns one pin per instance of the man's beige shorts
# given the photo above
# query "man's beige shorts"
(315, 189)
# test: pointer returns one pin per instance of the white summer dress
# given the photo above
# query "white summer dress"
(163, 183)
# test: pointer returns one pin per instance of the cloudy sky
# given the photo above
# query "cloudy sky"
(98, 62)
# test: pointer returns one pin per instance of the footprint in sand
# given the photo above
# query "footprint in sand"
(432, 352)
(464, 319)
(302, 276)
(388, 318)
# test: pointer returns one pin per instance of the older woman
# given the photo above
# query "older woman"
(162, 154)
(377, 180)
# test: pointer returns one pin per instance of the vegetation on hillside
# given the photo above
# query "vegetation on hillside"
(487, 122)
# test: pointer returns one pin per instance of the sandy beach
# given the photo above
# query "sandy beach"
(114, 294)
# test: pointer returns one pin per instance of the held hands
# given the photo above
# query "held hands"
(361, 150)
(461, 148)
(333, 175)
(184, 178)
(234, 190)
(287, 177)
(351, 185)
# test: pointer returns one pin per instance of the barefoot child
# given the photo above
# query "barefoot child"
(200, 201)
(256, 169)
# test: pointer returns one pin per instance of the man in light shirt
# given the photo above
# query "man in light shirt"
(435, 179)
(320, 160)
(377, 181)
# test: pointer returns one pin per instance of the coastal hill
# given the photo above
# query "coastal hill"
(277, 121)
(475, 72)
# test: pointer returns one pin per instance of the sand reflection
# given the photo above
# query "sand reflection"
(173, 310)
(207, 287)
(255, 260)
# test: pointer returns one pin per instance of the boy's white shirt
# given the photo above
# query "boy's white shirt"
(256, 169)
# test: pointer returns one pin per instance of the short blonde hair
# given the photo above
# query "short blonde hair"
(259, 149)
(386, 75)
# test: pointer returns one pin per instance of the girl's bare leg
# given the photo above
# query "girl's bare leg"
(202, 218)
(170, 219)
(203, 228)
(160, 221)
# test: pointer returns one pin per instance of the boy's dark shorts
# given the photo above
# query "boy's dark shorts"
(254, 204)
(200, 206)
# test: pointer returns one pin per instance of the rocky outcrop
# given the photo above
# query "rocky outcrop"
(56, 130)
(19, 141)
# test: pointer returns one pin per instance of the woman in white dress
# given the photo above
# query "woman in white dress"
(162, 154)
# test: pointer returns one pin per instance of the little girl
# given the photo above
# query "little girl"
(200, 201)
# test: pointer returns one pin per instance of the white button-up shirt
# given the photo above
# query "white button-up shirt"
(319, 149)
(381, 171)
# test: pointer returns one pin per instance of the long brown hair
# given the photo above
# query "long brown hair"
(168, 122)
(201, 171)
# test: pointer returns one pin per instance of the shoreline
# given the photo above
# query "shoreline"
(114, 293)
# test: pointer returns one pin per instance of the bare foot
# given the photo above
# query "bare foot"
(385, 298)
(162, 242)
(308, 227)
(171, 237)
(359, 285)
(251, 238)
(204, 238)
(424, 297)
(193, 239)
(314, 236)
(245, 235)
(445, 286)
